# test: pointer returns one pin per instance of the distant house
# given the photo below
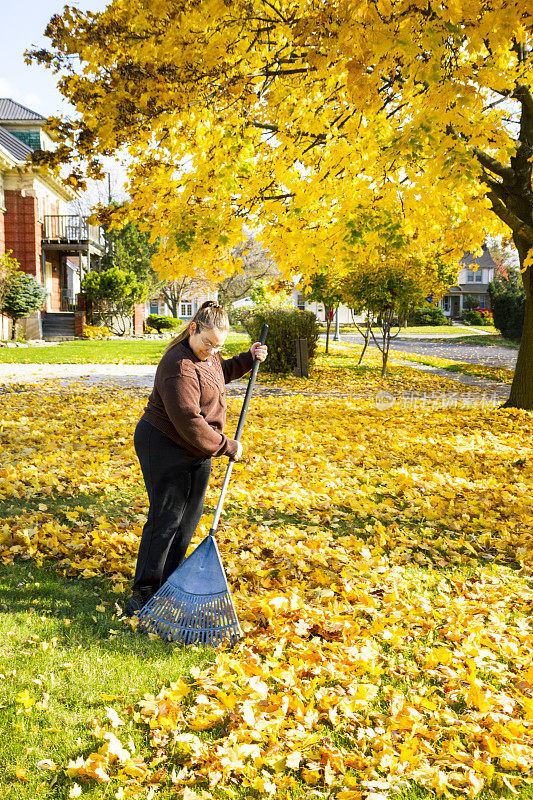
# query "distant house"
(188, 305)
(474, 278)
(56, 247)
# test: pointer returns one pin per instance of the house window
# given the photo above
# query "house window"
(154, 306)
(185, 309)
(474, 277)
(300, 302)
(446, 303)
(482, 301)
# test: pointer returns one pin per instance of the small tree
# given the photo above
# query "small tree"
(365, 330)
(185, 286)
(113, 294)
(387, 290)
(324, 288)
(22, 296)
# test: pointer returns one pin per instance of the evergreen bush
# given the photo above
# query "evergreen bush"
(283, 328)
(160, 323)
(474, 317)
(428, 315)
(22, 296)
(508, 302)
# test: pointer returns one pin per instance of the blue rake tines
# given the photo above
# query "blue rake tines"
(194, 606)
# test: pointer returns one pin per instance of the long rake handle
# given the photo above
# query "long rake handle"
(240, 426)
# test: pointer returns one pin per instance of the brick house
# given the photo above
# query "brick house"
(51, 244)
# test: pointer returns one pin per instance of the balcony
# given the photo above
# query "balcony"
(72, 230)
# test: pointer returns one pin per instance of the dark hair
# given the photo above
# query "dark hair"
(209, 315)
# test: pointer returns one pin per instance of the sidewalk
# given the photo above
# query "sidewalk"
(141, 377)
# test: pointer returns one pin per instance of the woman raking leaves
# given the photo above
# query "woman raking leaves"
(180, 431)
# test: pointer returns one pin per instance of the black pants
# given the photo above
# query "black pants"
(176, 482)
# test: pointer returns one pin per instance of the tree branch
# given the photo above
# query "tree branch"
(490, 163)
(510, 218)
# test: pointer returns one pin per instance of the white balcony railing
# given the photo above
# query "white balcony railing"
(71, 228)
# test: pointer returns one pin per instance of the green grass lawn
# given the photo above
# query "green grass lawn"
(112, 351)
(64, 658)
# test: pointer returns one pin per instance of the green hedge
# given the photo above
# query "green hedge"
(159, 323)
(428, 315)
(283, 328)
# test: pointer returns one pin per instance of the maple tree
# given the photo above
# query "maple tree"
(290, 114)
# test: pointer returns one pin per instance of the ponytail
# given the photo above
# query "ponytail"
(209, 315)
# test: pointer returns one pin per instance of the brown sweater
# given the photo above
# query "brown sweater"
(188, 401)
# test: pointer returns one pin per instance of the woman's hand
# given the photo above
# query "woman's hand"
(259, 351)
(237, 456)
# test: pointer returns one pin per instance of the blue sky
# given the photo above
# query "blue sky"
(23, 24)
(34, 86)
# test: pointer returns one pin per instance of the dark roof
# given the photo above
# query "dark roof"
(14, 112)
(14, 146)
(484, 260)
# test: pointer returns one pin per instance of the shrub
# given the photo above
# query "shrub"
(475, 317)
(96, 332)
(508, 301)
(283, 328)
(428, 315)
(159, 323)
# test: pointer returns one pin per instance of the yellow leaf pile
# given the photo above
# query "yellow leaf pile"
(381, 565)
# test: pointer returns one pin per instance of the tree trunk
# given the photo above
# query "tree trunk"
(386, 325)
(14, 330)
(521, 395)
(366, 337)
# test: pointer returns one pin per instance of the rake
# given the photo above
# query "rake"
(194, 606)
